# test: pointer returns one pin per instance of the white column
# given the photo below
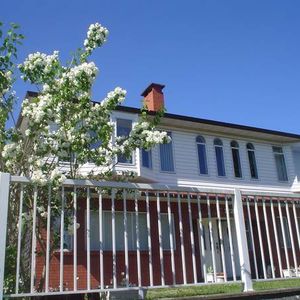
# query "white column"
(261, 246)
(4, 198)
(268, 238)
(252, 238)
(221, 238)
(276, 238)
(242, 241)
(61, 260)
(19, 243)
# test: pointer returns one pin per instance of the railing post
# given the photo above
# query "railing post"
(4, 196)
(239, 220)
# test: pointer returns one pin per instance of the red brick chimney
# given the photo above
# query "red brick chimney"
(154, 97)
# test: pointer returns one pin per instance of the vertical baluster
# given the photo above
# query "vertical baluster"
(230, 239)
(181, 239)
(201, 233)
(137, 230)
(221, 238)
(62, 222)
(19, 238)
(261, 246)
(252, 238)
(88, 238)
(171, 237)
(212, 240)
(149, 240)
(192, 239)
(48, 240)
(297, 226)
(161, 253)
(268, 238)
(125, 237)
(292, 237)
(284, 239)
(75, 238)
(276, 237)
(101, 240)
(113, 228)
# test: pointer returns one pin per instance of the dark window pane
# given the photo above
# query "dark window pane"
(252, 164)
(220, 161)
(202, 159)
(281, 167)
(123, 130)
(147, 158)
(236, 163)
(166, 156)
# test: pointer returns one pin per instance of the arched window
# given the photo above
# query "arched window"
(219, 157)
(252, 160)
(200, 141)
(236, 159)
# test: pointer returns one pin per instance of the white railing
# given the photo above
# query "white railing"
(140, 236)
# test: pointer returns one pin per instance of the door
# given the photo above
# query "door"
(208, 257)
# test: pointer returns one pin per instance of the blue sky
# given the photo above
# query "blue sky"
(234, 61)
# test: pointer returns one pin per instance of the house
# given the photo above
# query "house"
(219, 203)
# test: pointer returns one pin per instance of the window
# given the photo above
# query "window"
(280, 163)
(200, 141)
(68, 232)
(252, 161)
(95, 143)
(219, 157)
(236, 159)
(123, 130)
(286, 232)
(166, 156)
(147, 158)
(131, 230)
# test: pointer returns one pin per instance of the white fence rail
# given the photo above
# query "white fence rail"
(91, 236)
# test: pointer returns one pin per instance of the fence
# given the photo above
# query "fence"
(91, 236)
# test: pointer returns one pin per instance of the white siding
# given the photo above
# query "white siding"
(187, 166)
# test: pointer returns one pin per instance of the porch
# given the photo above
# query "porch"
(124, 236)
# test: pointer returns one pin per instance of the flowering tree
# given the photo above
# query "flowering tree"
(66, 129)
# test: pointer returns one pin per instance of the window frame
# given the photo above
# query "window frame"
(251, 149)
(116, 135)
(149, 153)
(134, 242)
(170, 133)
(203, 142)
(234, 146)
(223, 159)
(281, 153)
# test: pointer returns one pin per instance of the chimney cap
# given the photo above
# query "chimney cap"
(151, 86)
